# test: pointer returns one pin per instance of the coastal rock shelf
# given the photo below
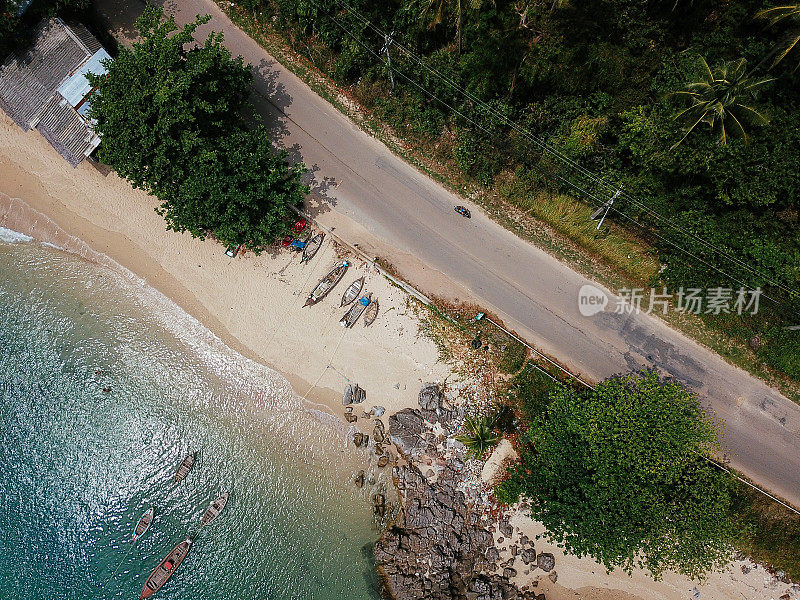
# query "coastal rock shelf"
(440, 547)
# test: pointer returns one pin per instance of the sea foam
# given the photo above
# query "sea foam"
(11, 236)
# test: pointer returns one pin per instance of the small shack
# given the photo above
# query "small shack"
(45, 86)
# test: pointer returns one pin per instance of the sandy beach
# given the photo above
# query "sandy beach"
(255, 305)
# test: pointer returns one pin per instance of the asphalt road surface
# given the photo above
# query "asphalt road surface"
(385, 205)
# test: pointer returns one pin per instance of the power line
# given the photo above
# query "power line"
(567, 372)
(580, 190)
(546, 148)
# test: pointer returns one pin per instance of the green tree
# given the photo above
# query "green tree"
(240, 189)
(9, 28)
(784, 14)
(618, 473)
(478, 435)
(170, 114)
(718, 99)
(441, 11)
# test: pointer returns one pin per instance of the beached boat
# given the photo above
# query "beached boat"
(371, 313)
(327, 283)
(352, 292)
(144, 524)
(351, 316)
(216, 507)
(312, 247)
(168, 566)
(185, 467)
(347, 397)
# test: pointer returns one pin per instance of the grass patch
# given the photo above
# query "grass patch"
(769, 533)
(530, 392)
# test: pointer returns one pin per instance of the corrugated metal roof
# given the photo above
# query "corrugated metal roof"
(67, 131)
(76, 86)
(30, 80)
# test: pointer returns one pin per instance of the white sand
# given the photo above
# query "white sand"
(255, 305)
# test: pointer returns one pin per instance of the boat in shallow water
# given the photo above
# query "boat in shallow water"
(347, 397)
(185, 466)
(216, 507)
(144, 524)
(166, 569)
(327, 283)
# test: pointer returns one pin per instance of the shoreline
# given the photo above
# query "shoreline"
(84, 211)
(253, 305)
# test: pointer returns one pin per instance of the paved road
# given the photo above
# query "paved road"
(386, 205)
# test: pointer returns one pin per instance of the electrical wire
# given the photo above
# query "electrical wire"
(546, 148)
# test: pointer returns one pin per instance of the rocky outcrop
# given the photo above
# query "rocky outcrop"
(430, 397)
(409, 429)
(436, 550)
(439, 547)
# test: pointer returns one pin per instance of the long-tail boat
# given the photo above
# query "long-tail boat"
(143, 525)
(327, 283)
(351, 316)
(216, 507)
(371, 313)
(352, 291)
(166, 568)
(312, 247)
(185, 466)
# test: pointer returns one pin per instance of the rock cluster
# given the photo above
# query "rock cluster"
(436, 550)
(439, 548)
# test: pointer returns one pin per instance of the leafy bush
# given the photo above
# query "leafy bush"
(617, 474)
(478, 435)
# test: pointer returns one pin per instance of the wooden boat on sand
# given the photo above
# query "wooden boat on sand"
(352, 292)
(371, 313)
(312, 247)
(185, 466)
(351, 316)
(168, 566)
(144, 524)
(216, 507)
(327, 283)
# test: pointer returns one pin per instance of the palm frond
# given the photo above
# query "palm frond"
(717, 96)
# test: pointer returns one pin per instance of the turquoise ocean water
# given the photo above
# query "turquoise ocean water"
(78, 465)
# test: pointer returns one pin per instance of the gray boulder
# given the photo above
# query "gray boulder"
(546, 561)
(430, 397)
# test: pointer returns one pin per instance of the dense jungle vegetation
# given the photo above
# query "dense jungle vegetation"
(691, 105)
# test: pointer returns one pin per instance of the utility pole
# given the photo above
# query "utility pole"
(387, 43)
(606, 207)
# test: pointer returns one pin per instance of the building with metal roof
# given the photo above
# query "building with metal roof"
(45, 86)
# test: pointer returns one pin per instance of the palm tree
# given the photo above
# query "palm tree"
(717, 99)
(438, 11)
(478, 436)
(777, 14)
